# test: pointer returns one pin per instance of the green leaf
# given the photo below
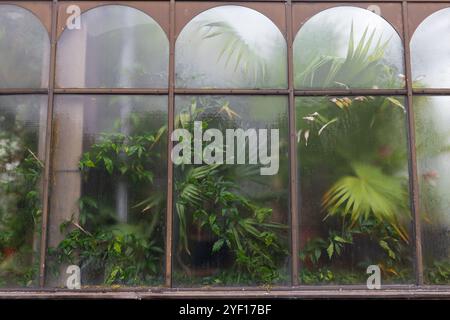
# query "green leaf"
(330, 250)
(218, 245)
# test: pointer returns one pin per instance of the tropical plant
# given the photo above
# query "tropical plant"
(209, 197)
(364, 192)
(18, 227)
(363, 66)
(110, 251)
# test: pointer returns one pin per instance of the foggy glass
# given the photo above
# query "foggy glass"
(231, 225)
(432, 116)
(231, 47)
(24, 49)
(326, 57)
(22, 149)
(107, 213)
(116, 47)
(353, 182)
(430, 51)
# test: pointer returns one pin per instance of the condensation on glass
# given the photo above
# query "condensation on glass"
(24, 49)
(432, 115)
(231, 47)
(108, 190)
(22, 146)
(348, 47)
(430, 51)
(353, 182)
(115, 47)
(230, 221)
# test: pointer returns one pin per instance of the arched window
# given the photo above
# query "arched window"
(231, 47)
(351, 149)
(24, 49)
(24, 65)
(110, 150)
(115, 47)
(348, 47)
(430, 54)
(430, 51)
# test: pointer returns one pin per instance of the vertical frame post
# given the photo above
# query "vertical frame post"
(413, 176)
(170, 127)
(48, 139)
(293, 205)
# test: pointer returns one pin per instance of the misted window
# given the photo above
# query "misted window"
(115, 47)
(107, 212)
(352, 151)
(199, 144)
(430, 51)
(24, 51)
(231, 47)
(232, 223)
(24, 48)
(361, 50)
(107, 216)
(430, 57)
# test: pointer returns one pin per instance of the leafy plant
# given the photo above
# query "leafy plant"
(364, 195)
(369, 193)
(18, 263)
(362, 66)
(110, 251)
(438, 272)
(209, 199)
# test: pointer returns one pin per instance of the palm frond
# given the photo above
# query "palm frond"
(368, 193)
(236, 51)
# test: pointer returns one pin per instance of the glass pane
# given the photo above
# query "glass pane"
(24, 49)
(353, 173)
(347, 47)
(231, 216)
(22, 148)
(116, 46)
(109, 190)
(432, 116)
(430, 51)
(231, 47)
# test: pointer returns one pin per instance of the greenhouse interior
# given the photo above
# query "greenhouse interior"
(351, 94)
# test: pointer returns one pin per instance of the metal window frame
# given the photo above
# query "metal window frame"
(408, 24)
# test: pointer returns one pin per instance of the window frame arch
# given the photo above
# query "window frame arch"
(181, 27)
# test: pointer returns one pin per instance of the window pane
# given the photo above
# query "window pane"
(430, 51)
(432, 116)
(231, 219)
(347, 47)
(24, 49)
(353, 173)
(22, 142)
(116, 46)
(231, 47)
(109, 190)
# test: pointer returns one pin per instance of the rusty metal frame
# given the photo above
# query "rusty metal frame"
(48, 146)
(413, 176)
(170, 128)
(419, 289)
(293, 164)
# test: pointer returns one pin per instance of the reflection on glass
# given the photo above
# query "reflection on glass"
(22, 138)
(231, 46)
(347, 47)
(116, 46)
(353, 175)
(432, 116)
(24, 49)
(108, 195)
(231, 222)
(430, 51)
